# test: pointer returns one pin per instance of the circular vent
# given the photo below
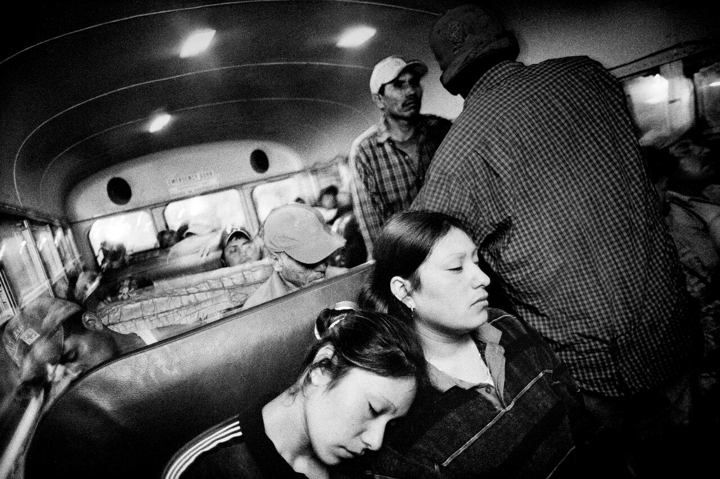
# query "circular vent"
(259, 161)
(119, 191)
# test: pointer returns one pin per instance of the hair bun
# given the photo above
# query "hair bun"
(331, 316)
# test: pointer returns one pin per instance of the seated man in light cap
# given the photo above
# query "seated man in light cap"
(299, 243)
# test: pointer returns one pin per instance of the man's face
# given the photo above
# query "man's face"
(78, 353)
(83, 351)
(402, 97)
(297, 273)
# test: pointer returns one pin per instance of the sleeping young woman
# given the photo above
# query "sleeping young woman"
(361, 374)
(500, 403)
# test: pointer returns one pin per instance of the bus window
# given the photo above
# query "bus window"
(661, 105)
(707, 85)
(223, 205)
(277, 193)
(669, 98)
(21, 264)
(71, 245)
(7, 305)
(134, 231)
(336, 173)
(51, 259)
(65, 247)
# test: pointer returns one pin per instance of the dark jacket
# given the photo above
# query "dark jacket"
(530, 430)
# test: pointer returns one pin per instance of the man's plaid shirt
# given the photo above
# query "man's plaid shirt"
(385, 179)
(544, 166)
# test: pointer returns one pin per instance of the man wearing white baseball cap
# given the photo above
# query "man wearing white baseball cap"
(299, 243)
(388, 162)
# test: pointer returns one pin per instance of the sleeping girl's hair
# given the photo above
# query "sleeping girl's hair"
(372, 341)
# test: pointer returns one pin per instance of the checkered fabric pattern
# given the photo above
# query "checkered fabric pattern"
(544, 167)
(385, 179)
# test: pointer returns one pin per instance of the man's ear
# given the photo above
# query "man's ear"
(400, 288)
(92, 322)
(276, 263)
(319, 375)
(379, 101)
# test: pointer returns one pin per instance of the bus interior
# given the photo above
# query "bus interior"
(116, 135)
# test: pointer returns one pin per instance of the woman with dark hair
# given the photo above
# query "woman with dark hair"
(361, 374)
(500, 402)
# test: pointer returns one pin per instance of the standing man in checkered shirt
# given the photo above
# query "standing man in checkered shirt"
(389, 161)
(545, 169)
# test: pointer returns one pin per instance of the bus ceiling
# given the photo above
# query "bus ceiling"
(93, 92)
